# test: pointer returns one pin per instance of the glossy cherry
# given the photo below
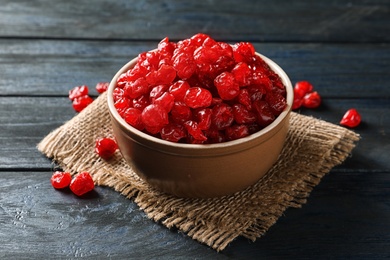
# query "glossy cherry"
(82, 183)
(105, 147)
(60, 180)
(351, 118)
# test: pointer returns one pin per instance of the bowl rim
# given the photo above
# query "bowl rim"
(266, 130)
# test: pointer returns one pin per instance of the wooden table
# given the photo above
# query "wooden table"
(48, 47)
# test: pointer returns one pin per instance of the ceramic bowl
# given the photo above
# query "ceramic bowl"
(201, 170)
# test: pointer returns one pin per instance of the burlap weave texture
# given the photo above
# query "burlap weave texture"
(313, 147)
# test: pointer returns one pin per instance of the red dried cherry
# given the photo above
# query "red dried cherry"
(82, 102)
(60, 180)
(276, 102)
(166, 46)
(105, 147)
(311, 100)
(243, 51)
(297, 103)
(183, 63)
(157, 91)
(117, 94)
(166, 101)
(122, 104)
(227, 86)
(351, 118)
(198, 97)
(222, 116)
(82, 183)
(180, 112)
(78, 91)
(241, 73)
(173, 132)
(179, 89)
(141, 102)
(102, 86)
(203, 117)
(236, 131)
(244, 98)
(194, 130)
(302, 88)
(164, 75)
(263, 113)
(136, 88)
(198, 88)
(154, 118)
(133, 117)
(242, 115)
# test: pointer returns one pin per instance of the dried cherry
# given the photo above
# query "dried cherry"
(351, 118)
(304, 95)
(311, 100)
(79, 103)
(82, 183)
(102, 87)
(105, 147)
(60, 180)
(301, 88)
(199, 90)
(78, 91)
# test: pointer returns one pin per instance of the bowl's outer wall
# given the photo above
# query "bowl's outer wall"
(199, 176)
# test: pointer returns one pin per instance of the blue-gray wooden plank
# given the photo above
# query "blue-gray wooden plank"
(265, 21)
(52, 67)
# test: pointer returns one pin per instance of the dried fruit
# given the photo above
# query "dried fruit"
(154, 118)
(194, 130)
(227, 86)
(199, 90)
(78, 91)
(197, 97)
(298, 100)
(351, 118)
(179, 89)
(173, 132)
(276, 102)
(242, 115)
(105, 147)
(102, 87)
(263, 113)
(241, 73)
(79, 103)
(302, 88)
(304, 95)
(121, 105)
(236, 132)
(222, 116)
(311, 100)
(133, 117)
(203, 117)
(60, 180)
(180, 112)
(82, 183)
(243, 51)
(136, 88)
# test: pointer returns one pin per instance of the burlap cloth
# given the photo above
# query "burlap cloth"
(312, 148)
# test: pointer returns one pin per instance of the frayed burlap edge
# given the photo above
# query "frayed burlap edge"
(313, 147)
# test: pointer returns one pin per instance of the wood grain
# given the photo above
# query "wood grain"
(102, 224)
(265, 21)
(107, 225)
(53, 67)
